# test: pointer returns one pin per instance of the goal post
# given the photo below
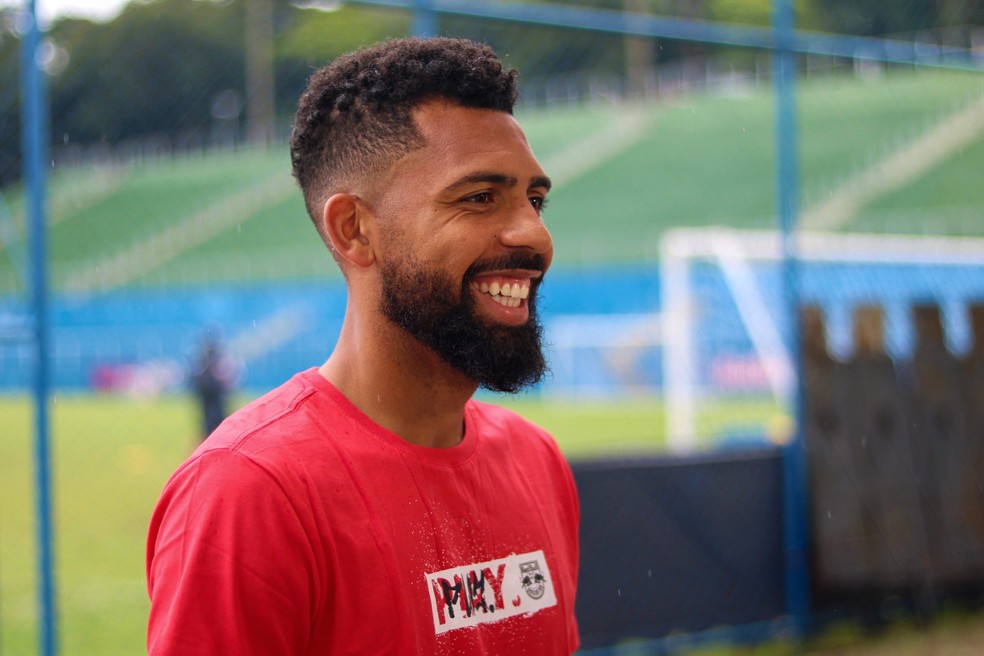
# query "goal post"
(724, 326)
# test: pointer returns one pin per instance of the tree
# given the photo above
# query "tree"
(309, 38)
(879, 17)
(155, 69)
(759, 12)
(10, 163)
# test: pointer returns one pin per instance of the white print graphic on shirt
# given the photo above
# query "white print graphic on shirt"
(487, 592)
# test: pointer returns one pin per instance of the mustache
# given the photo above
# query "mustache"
(529, 261)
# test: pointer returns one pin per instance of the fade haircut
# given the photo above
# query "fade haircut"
(354, 119)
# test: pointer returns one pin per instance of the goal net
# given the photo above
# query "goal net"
(726, 328)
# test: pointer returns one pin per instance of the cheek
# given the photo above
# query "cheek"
(458, 250)
(452, 249)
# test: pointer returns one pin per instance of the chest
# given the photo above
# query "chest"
(431, 557)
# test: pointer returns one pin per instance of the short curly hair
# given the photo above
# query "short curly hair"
(354, 119)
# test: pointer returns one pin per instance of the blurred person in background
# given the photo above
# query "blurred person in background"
(212, 379)
(371, 505)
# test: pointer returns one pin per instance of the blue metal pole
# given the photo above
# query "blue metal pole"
(795, 527)
(424, 22)
(665, 27)
(34, 145)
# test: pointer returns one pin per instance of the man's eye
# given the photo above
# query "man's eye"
(539, 203)
(483, 197)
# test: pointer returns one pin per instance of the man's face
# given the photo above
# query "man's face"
(465, 247)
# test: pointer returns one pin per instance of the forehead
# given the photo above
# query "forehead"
(445, 124)
(458, 139)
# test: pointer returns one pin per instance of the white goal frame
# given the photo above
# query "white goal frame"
(734, 251)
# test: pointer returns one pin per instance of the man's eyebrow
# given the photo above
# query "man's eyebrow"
(495, 178)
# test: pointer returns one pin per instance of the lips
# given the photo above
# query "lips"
(508, 282)
(531, 265)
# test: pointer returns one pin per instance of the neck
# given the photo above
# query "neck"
(399, 383)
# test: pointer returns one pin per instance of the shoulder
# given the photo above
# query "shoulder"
(272, 439)
(252, 471)
(295, 418)
(271, 412)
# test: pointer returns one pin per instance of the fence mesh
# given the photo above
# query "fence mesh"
(172, 214)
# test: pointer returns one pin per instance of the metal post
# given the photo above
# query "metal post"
(424, 19)
(795, 527)
(34, 145)
(259, 72)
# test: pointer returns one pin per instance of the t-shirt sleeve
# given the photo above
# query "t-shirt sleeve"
(230, 567)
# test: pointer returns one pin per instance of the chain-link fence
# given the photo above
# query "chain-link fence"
(171, 213)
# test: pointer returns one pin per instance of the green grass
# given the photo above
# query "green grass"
(875, 117)
(710, 160)
(111, 456)
(272, 243)
(153, 196)
(950, 195)
(551, 131)
(954, 632)
(635, 426)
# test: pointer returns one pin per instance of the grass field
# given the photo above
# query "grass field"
(957, 633)
(111, 456)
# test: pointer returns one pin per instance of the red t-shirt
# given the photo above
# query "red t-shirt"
(302, 527)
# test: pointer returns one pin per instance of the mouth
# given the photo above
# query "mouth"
(504, 287)
(506, 291)
(504, 296)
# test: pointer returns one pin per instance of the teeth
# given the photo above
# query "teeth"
(509, 295)
(506, 300)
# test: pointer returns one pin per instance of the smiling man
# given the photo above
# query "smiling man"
(371, 506)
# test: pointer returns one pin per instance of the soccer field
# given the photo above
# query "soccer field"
(111, 455)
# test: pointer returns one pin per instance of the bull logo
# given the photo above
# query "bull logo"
(533, 580)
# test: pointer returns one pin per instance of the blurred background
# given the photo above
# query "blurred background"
(765, 318)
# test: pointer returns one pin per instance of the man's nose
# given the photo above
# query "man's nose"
(525, 229)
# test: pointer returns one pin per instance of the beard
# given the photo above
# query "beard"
(428, 305)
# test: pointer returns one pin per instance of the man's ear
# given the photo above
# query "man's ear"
(348, 224)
